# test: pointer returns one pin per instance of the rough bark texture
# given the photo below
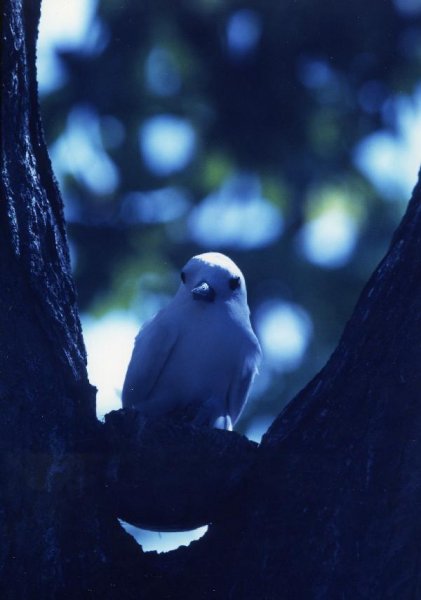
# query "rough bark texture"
(326, 507)
(53, 535)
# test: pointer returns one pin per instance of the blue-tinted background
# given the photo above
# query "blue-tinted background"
(285, 134)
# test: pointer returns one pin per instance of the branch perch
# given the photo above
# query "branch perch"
(168, 476)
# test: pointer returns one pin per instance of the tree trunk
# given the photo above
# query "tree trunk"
(326, 507)
(54, 535)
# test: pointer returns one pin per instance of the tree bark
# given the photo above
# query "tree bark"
(55, 539)
(326, 507)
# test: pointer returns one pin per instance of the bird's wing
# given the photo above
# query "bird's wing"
(153, 347)
(241, 385)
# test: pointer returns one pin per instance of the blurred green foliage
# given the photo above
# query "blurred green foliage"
(284, 91)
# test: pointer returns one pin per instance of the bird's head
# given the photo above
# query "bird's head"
(212, 278)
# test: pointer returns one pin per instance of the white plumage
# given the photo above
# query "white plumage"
(197, 358)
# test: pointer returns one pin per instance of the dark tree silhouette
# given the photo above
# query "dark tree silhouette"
(326, 507)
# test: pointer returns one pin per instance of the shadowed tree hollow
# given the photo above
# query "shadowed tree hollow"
(326, 507)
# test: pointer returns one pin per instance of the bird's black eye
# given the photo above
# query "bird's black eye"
(234, 283)
(183, 276)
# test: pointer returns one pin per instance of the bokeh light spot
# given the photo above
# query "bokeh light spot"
(64, 25)
(167, 144)
(162, 75)
(391, 161)
(284, 330)
(330, 239)
(80, 152)
(157, 206)
(236, 216)
(244, 29)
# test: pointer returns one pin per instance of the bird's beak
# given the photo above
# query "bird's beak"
(203, 292)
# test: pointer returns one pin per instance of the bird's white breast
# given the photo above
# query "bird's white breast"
(208, 355)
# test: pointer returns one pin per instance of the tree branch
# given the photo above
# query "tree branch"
(168, 476)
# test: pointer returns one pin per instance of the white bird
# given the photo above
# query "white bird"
(196, 359)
